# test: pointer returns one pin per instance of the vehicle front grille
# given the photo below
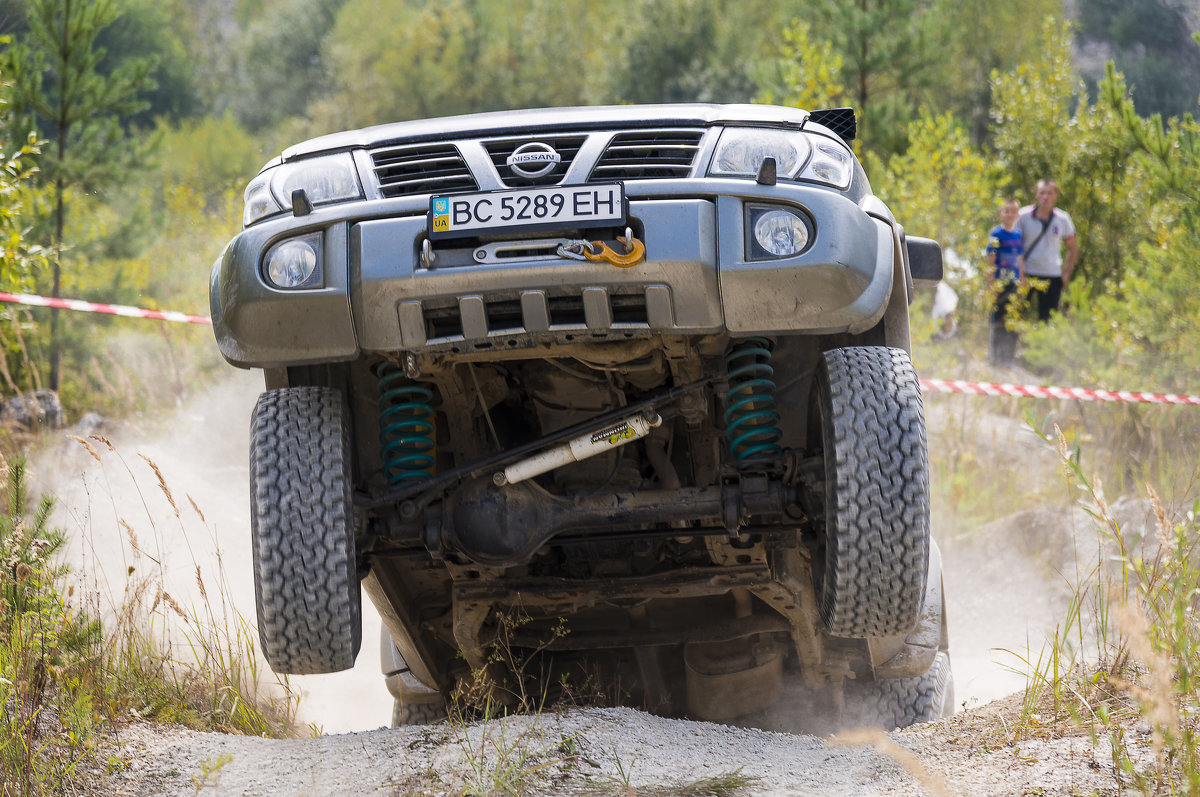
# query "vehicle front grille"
(566, 146)
(648, 154)
(421, 169)
(440, 168)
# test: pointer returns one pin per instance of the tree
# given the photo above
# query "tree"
(891, 51)
(944, 188)
(1044, 127)
(665, 56)
(1160, 308)
(60, 91)
(18, 258)
(808, 72)
(1150, 45)
(997, 39)
(280, 64)
(414, 61)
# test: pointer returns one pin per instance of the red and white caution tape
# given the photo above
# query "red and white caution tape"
(110, 309)
(933, 385)
(1032, 391)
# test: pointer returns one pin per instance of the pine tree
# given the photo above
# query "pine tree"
(67, 90)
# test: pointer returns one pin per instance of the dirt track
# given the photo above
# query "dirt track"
(959, 756)
(1005, 585)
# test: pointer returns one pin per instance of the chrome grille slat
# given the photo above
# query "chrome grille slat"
(648, 154)
(421, 169)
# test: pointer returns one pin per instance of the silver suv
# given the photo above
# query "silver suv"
(627, 388)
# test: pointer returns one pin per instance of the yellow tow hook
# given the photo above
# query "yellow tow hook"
(636, 252)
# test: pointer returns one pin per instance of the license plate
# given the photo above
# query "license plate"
(522, 209)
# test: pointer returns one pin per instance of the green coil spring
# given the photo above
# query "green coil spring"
(407, 433)
(751, 422)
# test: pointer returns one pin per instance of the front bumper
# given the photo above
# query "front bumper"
(378, 296)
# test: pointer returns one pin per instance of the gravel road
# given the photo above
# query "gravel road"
(616, 751)
(1005, 582)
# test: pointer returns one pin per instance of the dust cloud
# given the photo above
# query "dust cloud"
(1003, 591)
(122, 524)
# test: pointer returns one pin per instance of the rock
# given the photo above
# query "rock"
(40, 409)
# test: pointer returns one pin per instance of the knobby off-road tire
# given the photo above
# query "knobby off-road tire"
(899, 702)
(416, 713)
(872, 431)
(302, 525)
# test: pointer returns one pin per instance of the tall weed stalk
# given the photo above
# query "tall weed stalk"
(195, 663)
(1141, 605)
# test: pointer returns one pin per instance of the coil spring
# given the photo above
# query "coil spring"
(751, 422)
(407, 433)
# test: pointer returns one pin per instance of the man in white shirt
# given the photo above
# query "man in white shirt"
(1045, 229)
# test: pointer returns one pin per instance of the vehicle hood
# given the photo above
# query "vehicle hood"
(501, 123)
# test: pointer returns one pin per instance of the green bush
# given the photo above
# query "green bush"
(48, 653)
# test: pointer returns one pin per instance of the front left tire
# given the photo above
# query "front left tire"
(302, 528)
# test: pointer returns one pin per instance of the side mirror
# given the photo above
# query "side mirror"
(924, 261)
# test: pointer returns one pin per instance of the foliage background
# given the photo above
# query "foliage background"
(953, 117)
(961, 103)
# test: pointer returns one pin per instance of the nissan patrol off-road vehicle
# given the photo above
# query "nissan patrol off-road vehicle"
(638, 376)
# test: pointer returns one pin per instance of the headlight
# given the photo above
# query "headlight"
(741, 151)
(295, 263)
(830, 164)
(330, 178)
(775, 231)
(798, 156)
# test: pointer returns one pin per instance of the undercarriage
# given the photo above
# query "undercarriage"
(682, 565)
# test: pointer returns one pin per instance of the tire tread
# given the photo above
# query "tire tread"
(306, 587)
(877, 490)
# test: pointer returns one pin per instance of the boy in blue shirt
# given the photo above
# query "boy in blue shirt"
(1004, 256)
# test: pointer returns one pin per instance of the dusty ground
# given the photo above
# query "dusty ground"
(1006, 584)
(607, 751)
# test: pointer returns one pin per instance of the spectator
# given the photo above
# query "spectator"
(1004, 255)
(1044, 230)
(945, 302)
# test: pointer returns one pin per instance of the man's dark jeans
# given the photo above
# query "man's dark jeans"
(1048, 300)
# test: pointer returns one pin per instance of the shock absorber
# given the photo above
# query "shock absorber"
(751, 422)
(407, 433)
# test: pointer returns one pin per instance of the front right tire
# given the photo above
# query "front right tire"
(869, 420)
(302, 527)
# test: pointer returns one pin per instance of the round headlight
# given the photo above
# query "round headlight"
(780, 233)
(294, 263)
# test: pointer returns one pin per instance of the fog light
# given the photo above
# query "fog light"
(295, 263)
(779, 233)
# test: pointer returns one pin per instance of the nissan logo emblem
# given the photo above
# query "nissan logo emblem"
(533, 160)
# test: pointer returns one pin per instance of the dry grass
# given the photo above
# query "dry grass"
(81, 654)
(1127, 655)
